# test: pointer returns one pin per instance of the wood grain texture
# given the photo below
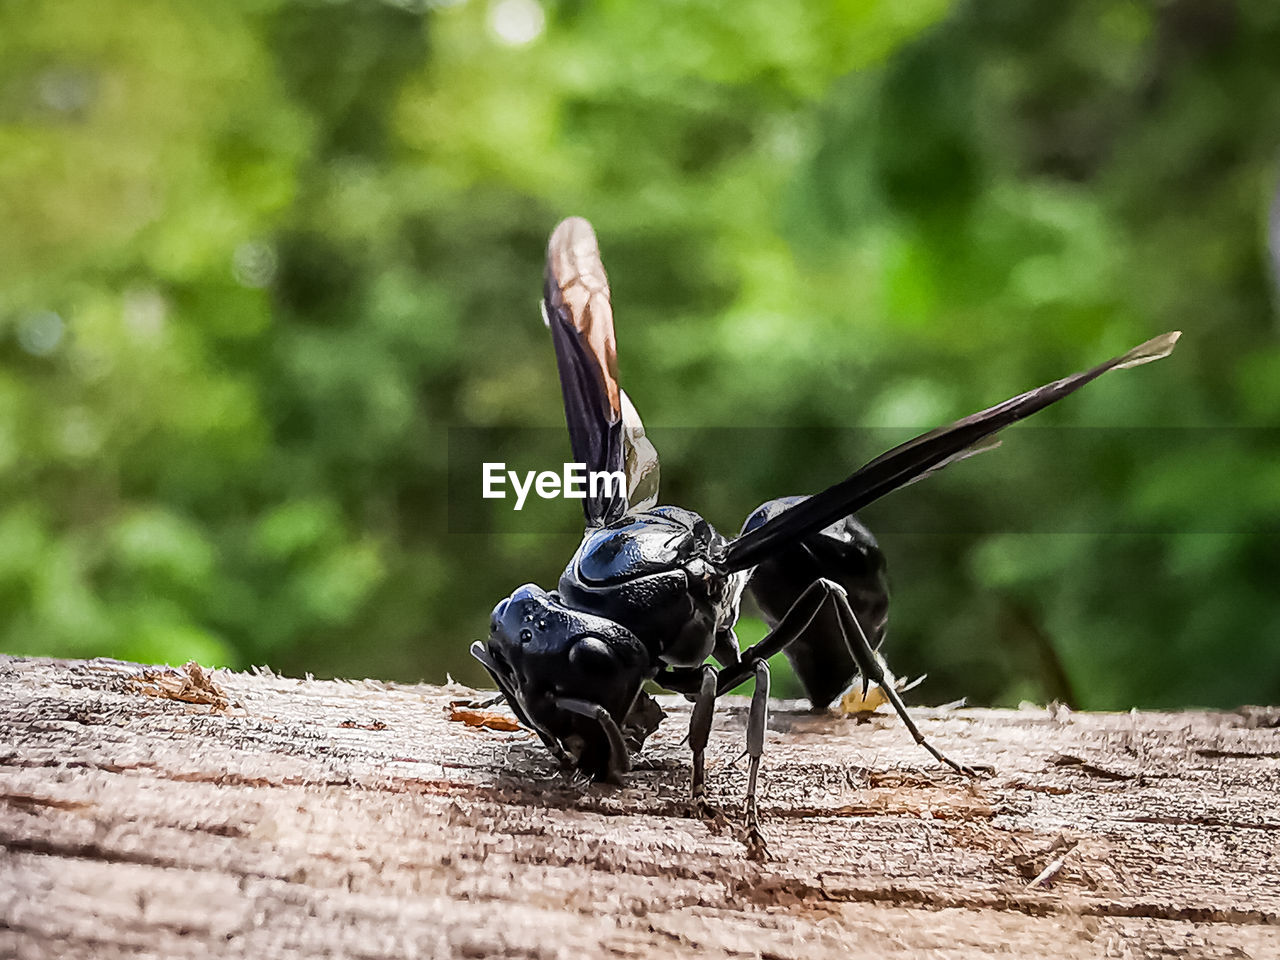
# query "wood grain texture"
(336, 819)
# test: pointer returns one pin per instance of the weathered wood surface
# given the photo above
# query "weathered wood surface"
(335, 819)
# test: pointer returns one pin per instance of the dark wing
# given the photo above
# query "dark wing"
(910, 460)
(605, 432)
(575, 305)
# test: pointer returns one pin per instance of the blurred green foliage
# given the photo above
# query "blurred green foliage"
(259, 256)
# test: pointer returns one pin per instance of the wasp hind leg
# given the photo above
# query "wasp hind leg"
(871, 670)
(811, 609)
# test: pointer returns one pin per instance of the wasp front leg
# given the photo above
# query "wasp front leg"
(704, 706)
(701, 685)
(704, 685)
(757, 722)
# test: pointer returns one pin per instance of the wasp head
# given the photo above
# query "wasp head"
(571, 676)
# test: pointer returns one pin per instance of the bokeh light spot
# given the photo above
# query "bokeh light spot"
(145, 312)
(41, 333)
(517, 22)
(254, 264)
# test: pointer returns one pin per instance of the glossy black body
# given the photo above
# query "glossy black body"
(644, 595)
(652, 572)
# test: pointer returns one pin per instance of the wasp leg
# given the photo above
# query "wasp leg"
(619, 761)
(867, 662)
(757, 721)
(791, 627)
(699, 733)
(798, 619)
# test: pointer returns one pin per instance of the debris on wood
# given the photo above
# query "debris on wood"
(1053, 868)
(1079, 763)
(1059, 711)
(367, 725)
(191, 684)
(1054, 857)
(482, 718)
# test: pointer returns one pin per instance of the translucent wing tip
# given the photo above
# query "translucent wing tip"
(1156, 348)
(640, 458)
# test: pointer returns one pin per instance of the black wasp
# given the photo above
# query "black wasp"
(652, 593)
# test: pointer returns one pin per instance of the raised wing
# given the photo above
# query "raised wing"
(909, 461)
(605, 432)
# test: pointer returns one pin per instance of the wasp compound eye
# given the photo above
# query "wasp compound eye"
(592, 655)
